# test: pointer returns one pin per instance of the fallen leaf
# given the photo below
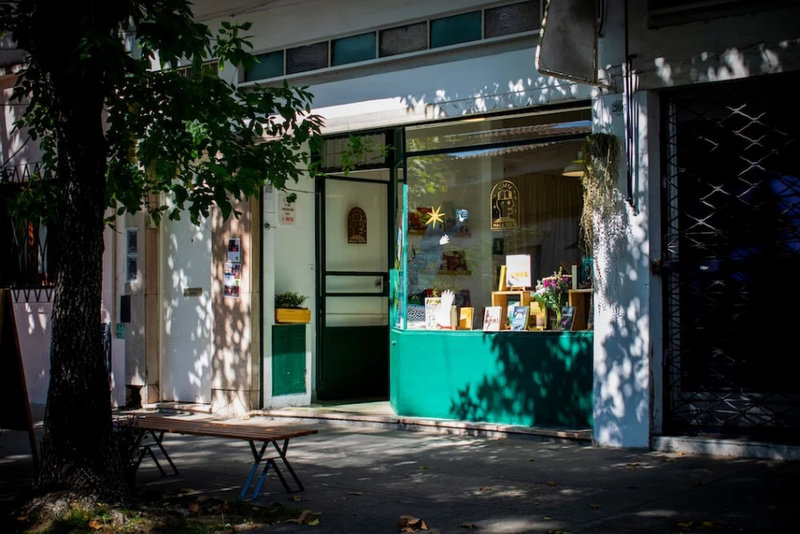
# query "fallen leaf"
(194, 507)
(355, 493)
(94, 524)
(550, 483)
(409, 523)
(296, 498)
(301, 518)
(485, 488)
(423, 468)
(468, 525)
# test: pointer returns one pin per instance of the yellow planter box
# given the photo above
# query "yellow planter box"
(292, 315)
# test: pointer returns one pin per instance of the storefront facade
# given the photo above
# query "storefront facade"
(472, 179)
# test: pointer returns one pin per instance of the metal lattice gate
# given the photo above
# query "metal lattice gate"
(731, 205)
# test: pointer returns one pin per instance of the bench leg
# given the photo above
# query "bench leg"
(253, 470)
(282, 455)
(258, 456)
(146, 449)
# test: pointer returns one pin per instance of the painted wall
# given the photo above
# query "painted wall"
(290, 243)
(235, 334)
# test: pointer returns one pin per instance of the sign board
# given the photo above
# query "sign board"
(518, 270)
(568, 41)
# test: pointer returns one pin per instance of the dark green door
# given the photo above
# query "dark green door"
(353, 335)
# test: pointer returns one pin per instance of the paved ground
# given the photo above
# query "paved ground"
(360, 479)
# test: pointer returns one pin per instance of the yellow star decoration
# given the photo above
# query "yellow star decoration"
(436, 215)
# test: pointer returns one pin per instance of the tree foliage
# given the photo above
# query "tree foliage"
(130, 104)
(175, 127)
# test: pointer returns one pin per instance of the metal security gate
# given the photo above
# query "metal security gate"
(731, 208)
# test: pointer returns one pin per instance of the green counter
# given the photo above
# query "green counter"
(539, 379)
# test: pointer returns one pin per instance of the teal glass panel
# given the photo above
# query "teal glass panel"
(456, 29)
(270, 65)
(353, 49)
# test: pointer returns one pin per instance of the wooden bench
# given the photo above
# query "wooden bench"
(149, 431)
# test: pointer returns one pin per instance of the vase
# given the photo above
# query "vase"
(555, 320)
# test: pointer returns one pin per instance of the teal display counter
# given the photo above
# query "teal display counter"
(539, 379)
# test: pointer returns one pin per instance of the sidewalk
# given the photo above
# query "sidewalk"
(361, 478)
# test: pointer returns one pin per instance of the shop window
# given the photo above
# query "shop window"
(478, 192)
(514, 18)
(270, 65)
(26, 261)
(353, 49)
(404, 39)
(456, 29)
(310, 57)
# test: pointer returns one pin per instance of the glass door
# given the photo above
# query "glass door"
(353, 336)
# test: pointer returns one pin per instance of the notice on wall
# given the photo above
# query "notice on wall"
(235, 249)
(287, 210)
(233, 279)
(269, 198)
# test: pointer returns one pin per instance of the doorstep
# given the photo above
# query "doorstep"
(178, 407)
(381, 414)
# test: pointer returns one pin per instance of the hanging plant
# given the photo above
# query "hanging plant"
(600, 194)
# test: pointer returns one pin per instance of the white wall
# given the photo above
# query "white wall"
(290, 249)
(34, 331)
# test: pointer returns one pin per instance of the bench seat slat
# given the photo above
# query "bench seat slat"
(221, 430)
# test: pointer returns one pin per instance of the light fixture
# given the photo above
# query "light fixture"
(575, 168)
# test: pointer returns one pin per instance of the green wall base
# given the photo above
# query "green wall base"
(517, 378)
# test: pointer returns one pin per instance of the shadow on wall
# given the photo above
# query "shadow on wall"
(541, 380)
(33, 328)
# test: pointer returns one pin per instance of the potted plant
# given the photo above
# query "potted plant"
(289, 308)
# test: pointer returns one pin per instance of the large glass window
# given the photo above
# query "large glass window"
(481, 190)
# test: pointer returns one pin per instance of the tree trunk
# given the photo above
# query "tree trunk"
(79, 453)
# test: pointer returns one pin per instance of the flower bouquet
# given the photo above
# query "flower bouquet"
(552, 292)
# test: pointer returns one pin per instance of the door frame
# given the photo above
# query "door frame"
(335, 172)
(323, 272)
